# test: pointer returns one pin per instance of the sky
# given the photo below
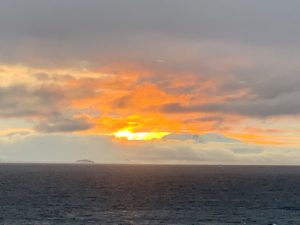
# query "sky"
(160, 81)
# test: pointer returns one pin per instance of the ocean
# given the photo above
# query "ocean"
(47, 194)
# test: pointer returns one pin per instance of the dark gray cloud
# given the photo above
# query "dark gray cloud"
(266, 79)
(233, 19)
(283, 105)
(48, 106)
(270, 89)
(63, 31)
(23, 101)
(62, 123)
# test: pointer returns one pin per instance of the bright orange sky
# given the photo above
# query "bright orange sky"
(135, 99)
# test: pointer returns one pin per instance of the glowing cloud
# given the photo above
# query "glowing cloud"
(139, 136)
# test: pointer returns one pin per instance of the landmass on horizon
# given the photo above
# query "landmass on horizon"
(85, 161)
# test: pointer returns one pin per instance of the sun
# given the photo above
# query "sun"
(139, 136)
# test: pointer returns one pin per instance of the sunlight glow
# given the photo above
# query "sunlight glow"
(139, 136)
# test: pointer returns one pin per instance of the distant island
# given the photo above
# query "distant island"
(85, 161)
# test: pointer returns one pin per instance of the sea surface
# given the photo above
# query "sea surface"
(47, 194)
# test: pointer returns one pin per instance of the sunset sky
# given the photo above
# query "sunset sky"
(140, 81)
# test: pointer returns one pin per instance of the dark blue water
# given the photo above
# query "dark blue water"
(129, 194)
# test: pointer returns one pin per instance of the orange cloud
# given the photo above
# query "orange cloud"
(128, 97)
(150, 122)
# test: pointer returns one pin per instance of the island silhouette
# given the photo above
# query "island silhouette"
(85, 161)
